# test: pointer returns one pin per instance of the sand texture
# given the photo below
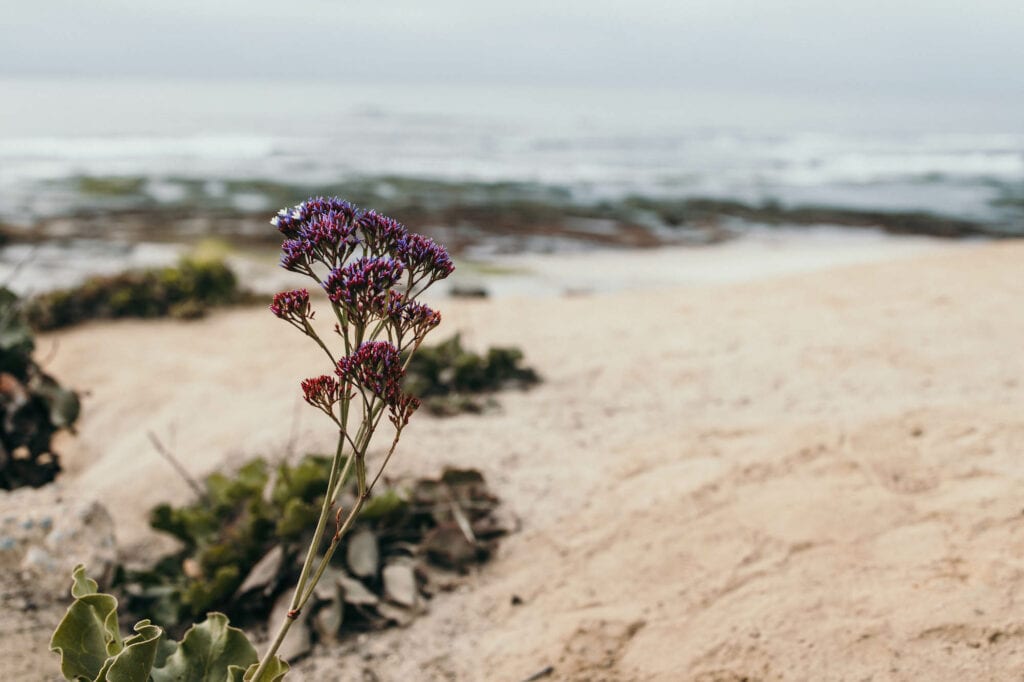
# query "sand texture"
(817, 476)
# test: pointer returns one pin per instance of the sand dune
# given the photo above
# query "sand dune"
(808, 477)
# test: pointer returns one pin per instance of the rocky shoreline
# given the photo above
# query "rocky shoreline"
(470, 217)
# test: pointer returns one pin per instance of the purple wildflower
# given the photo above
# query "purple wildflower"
(408, 316)
(290, 221)
(381, 234)
(424, 257)
(322, 392)
(331, 236)
(360, 286)
(292, 306)
(317, 229)
(377, 367)
(295, 254)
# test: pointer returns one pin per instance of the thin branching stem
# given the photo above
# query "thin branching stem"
(305, 252)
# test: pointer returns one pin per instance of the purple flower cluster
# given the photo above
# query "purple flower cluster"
(375, 366)
(316, 230)
(328, 231)
(291, 222)
(292, 306)
(361, 286)
(408, 316)
(375, 268)
(380, 233)
(322, 392)
(425, 257)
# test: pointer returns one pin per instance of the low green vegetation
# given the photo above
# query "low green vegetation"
(186, 290)
(33, 406)
(91, 647)
(110, 186)
(241, 545)
(450, 379)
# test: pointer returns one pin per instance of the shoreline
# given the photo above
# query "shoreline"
(576, 268)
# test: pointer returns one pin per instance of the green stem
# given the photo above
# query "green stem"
(364, 494)
(334, 482)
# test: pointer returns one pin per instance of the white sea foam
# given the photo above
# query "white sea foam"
(595, 143)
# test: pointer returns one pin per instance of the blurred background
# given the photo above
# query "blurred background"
(127, 130)
(720, 465)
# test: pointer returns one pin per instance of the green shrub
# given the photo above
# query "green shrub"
(450, 379)
(264, 511)
(186, 290)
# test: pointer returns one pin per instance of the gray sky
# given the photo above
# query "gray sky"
(925, 47)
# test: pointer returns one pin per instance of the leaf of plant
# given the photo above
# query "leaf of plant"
(81, 583)
(164, 650)
(87, 635)
(135, 662)
(276, 670)
(206, 653)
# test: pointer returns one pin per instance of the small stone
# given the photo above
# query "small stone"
(363, 554)
(191, 568)
(355, 592)
(327, 621)
(39, 560)
(327, 589)
(395, 614)
(400, 584)
(447, 546)
(264, 573)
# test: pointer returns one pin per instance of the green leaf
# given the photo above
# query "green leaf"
(164, 650)
(206, 653)
(136, 660)
(81, 583)
(275, 671)
(87, 635)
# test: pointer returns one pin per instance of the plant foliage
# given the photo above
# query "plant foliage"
(33, 406)
(260, 517)
(451, 379)
(91, 649)
(186, 290)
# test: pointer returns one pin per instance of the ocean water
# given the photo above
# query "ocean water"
(72, 145)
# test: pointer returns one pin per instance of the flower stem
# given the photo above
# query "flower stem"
(335, 481)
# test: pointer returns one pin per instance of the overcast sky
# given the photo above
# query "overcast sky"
(925, 48)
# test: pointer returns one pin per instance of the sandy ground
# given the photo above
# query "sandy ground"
(814, 476)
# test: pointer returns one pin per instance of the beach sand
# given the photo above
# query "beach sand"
(804, 476)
